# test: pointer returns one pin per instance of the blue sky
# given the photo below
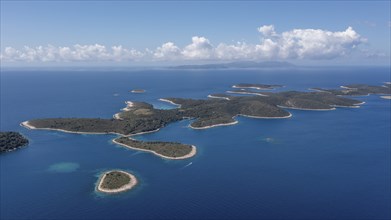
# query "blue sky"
(139, 29)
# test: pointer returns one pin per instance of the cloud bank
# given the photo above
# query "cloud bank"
(306, 44)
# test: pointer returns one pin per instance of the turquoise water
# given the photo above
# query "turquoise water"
(333, 164)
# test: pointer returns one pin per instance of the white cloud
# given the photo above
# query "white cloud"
(293, 44)
(200, 48)
(267, 30)
(167, 51)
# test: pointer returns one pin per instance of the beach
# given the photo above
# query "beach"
(29, 126)
(171, 102)
(216, 125)
(123, 188)
(247, 93)
(251, 87)
(217, 97)
(191, 154)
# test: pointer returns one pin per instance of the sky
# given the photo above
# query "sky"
(61, 33)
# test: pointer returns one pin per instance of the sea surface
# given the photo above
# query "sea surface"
(317, 164)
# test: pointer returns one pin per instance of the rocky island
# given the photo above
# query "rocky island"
(10, 141)
(116, 181)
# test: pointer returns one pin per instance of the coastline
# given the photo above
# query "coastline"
(235, 122)
(307, 109)
(171, 102)
(217, 97)
(191, 154)
(129, 105)
(251, 87)
(28, 126)
(260, 117)
(216, 125)
(123, 188)
(246, 93)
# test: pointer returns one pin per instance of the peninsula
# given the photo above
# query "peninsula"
(10, 141)
(116, 181)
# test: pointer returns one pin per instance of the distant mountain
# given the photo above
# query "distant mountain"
(238, 65)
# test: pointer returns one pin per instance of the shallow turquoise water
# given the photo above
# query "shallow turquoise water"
(333, 164)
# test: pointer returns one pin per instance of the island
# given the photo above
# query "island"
(137, 91)
(10, 141)
(358, 90)
(255, 86)
(116, 181)
(219, 110)
(167, 150)
(246, 92)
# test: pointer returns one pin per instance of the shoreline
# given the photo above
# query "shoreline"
(28, 126)
(251, 87)
(212, 126)
(261, 117)
(171, 102)
(319, 90)
(307, 109)
(246, 93)
(191, 154)
(129, 105)
(235, 122)
(123, 188)
(217, 97)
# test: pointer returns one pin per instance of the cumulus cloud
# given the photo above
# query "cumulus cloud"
(306, 44)
(200, 48)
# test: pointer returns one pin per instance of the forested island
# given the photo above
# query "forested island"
(168, 150)
(219, 110)
(10, 141)
(116, 181)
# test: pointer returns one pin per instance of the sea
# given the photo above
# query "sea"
(316, 164)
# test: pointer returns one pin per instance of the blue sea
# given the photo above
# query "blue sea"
(317, 164)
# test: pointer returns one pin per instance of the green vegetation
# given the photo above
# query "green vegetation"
(115, 180)
(168, 149)
(11, 141)
(359, 90)
(256, 86)
(142, 117)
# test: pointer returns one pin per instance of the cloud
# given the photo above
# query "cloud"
(167, 51)
(267, 30)
(200, 48)
(306, 44)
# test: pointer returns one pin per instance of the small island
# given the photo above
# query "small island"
(116, 181)
(167, 150)
(10, 141)
(138, 91)
(255, 86)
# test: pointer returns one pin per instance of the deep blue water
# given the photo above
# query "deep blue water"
(331, 164)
